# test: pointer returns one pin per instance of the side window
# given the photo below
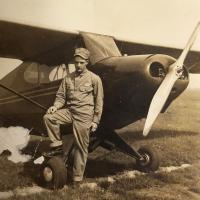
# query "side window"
(61, 71)
(36, 73)
(57, 72)
(31, 74)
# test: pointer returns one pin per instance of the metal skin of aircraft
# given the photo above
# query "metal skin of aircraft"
(135, 86)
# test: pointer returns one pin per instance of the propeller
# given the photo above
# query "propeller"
(174, 72)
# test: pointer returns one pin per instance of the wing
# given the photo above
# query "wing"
(29, 43)
(53, 47)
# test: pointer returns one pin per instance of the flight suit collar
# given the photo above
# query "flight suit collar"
(83, 73)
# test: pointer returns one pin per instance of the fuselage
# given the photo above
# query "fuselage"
(129, 85)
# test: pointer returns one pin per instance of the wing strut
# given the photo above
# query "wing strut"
(24, 97)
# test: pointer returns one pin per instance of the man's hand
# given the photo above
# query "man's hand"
(52, 110)
(94, 127)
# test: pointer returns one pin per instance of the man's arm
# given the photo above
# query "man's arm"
(98, 99)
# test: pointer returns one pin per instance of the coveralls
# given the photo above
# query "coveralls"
(81, 99)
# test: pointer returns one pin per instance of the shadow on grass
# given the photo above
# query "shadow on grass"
(103, 168)
(32, 171)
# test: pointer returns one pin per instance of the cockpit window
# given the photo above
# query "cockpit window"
(57, 73)
(36, 73)
(31, 74)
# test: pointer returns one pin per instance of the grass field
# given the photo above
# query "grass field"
(176, 138)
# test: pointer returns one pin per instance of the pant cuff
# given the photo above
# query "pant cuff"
(77, 178)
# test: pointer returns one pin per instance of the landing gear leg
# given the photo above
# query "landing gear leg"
(146, 158)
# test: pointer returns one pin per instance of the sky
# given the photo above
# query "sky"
(157, 22)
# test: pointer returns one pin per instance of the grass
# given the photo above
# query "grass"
(12, 175)
(176, 138)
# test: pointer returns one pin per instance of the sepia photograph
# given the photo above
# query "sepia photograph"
(100, 99)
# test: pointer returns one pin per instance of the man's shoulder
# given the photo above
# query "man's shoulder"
(94, 76)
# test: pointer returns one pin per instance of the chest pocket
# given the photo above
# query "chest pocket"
(86, 88)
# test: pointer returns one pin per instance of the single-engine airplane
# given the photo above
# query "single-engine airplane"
(135, 86)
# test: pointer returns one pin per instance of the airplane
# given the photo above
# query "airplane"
(136, 85)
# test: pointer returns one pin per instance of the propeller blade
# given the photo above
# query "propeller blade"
(188, 46)
(159, 100)
(161, 95)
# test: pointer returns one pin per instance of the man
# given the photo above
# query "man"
(79, 101)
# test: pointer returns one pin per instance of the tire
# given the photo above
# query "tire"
(150, 162)
(54, 173)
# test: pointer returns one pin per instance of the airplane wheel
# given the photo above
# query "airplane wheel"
(150, 162)
(54, 173)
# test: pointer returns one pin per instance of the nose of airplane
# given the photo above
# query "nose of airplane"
(175, 72)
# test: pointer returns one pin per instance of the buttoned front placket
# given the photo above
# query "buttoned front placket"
(74, 93)
(77, 80)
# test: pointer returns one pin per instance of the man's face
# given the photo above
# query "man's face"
(80, 64)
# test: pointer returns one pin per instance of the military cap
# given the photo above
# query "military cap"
(82, 52)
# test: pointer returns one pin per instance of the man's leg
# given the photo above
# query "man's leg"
(81, 132)
(53, 122)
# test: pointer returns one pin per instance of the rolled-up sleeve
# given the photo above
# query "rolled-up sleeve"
(98, 99)
(61, 95)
